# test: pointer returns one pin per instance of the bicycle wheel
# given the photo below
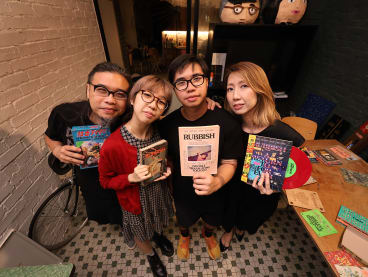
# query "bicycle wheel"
(60, 217)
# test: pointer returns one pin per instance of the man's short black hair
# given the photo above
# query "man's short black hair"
(180, 62)
(108, 67)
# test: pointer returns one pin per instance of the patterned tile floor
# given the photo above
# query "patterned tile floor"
(281, 247)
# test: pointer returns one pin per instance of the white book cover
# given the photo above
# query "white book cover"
(199, 149)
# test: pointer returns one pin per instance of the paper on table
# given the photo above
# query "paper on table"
(351, 271)
(311, 180)
(354, 177)
(319, 223)
(344, 153)
(304, 199)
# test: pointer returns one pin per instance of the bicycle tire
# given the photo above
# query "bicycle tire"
(58, 220)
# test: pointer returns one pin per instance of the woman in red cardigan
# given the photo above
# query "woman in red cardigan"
(146, 209)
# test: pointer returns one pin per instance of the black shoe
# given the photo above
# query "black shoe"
(157, 267)
(164, 244)
(223, 248)
(239, 236)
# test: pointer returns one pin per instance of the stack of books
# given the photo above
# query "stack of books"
(355, 237)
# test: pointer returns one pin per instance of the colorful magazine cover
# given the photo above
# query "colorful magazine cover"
(266, 154)
(326, 157)
(90, 139)
(154, 156)
(199, 149)
(343, 153)
(341, 257)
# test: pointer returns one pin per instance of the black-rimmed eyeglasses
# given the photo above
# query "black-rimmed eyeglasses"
(196, 81)
(237, 9)
(103, 91)
(148, 97)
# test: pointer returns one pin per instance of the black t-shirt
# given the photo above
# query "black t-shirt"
(281, 130)
(102, 204)
(230, 147)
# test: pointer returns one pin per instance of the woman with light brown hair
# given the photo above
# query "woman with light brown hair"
(250, 98)
(146, 208)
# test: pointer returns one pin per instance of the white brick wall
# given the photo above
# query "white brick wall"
(47, 48)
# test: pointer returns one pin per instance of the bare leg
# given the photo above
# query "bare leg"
(157, 267)
(144, 246)
(208, 228)
(239, 232)
(226, 238)
(184, 231)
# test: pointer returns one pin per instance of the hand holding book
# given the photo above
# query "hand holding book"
(165, 175)
(263, 185)
(141, 173)
(68, 154)
(206, 184)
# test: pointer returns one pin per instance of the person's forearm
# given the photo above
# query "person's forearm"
(52, 144)
(225, 172)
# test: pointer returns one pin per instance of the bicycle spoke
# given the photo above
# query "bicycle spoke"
(53, 226)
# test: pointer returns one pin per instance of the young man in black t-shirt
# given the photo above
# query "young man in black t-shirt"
(199, 196)
(107, 91)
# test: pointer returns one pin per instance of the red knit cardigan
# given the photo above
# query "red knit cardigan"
(117, 160)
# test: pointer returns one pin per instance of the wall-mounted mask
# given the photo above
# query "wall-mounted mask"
(239, 11)
(283, 11)
(291, 11)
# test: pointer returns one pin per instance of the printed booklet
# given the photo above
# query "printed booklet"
(199, 149)
(154, 156)
(319, 223)
(90, 139)
(325, 156)
(266, 154)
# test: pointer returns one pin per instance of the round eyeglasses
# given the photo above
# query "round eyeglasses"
(196, 81)
(237, 9)
(148, 97)
(102, 91)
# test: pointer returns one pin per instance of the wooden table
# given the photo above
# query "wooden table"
(334, 192)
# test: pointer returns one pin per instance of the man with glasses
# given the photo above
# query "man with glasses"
(199, 196)
(107, 91)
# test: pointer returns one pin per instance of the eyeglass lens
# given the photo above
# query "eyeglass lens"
(196, 81)
(148, 97)
(104, 92)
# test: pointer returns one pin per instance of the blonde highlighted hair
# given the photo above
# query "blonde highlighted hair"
(264, 113)
(152, 83)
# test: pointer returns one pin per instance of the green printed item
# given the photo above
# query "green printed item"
(319, 223)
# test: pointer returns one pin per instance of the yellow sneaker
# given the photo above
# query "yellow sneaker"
(213, 248)
(183, 248)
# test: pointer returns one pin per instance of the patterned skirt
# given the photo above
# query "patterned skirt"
(155, 200)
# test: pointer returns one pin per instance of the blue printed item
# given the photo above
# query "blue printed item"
(347, 216)
(90, 139)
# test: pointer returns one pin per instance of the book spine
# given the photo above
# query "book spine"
(248, 157)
